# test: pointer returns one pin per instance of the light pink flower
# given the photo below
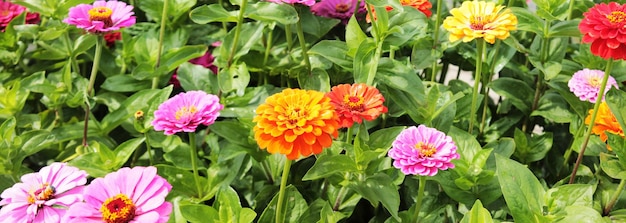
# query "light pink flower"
(128, 195)
(43, 196)
(292, 2)
(102, 16)
(423, 151)
(585, 84)
(185, 111)
(8, 11)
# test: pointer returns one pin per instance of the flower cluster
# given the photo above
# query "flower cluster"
(605, 122)
(186, 111)
(480, 19)
(585, 84)
(356, 102)
(8, 11)
(338, 9)
(603, 25)
(57, 193)
(101, 17)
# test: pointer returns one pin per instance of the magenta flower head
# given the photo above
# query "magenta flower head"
(292, 2)
(128, 195)
(101, 17)
(338, 9)
(185, 111)
(8, 11)
(423, 151)
(43, 196)
(585, 84)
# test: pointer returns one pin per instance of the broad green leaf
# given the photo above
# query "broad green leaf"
(616, 99)
(181, 180)
(249, 36)
(294, 206)
(318, 80)
(612, 166)
(328, 165)
(559, 198)
(383, 138)
(196, 77)
(554, 108)
(138, 101)
(515, 90)
(124, 83)
(567, 28)
(521, 189)
(175, 57)
(354, 36)
(234, 78)
(527, 20)
(229, 207)
(478, 214)
(199, 213)
(125, 150)
(271, 12)
(212, 13)
(379, 188)
(364, 61)
(333, 50)
(583, 214)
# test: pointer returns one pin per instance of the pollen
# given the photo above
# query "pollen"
(354, 102)
(426, 150)
(616, 17)
(102, 14)
(118, 209)
(185, 112)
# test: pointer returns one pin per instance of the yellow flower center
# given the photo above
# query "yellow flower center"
(354, 102)
(477, 23)
(616, 17)
(186, 112)
(43, 193)
(4, 12)
(594, 82)
(102, 14)
(426, 150)
(118, 209)
(342, 7)
(139, 114)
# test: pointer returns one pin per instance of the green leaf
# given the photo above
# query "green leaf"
(383, 138)
(521, 189)
(379, 188)
(229, 207)
(568, 28)
(328, 165)
(583, 214)
(616, 99)
(249, 35)
(212, 13)
(354, 36)
(196, 77)
(527, 20)
(553, 107)
(559, 198)
(198, 213)
(293, 207)
(141, 100)
(271, 12)
(234, 78)
(318, 80)
(83, 43)
(124, 83)
(478, 214)
(125, 150)
(333, 50)
(517, 91)
(233, 131)
(181, 180)
(363, 61)
(612, 166)
(175, 57)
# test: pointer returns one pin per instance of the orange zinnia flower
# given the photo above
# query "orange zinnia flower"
(296, 123)
(356, 102)
(605, 122)
(423, 6)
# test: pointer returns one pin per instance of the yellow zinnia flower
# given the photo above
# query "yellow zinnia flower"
(479, 19)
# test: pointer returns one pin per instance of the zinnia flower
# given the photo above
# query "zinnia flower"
(423, 151)
(356, 102)
(128, 195)
(480, 19)
(604, 27)
(101, 17)
(296, 123)
(585, 84)
(304, 2)
(338, 9)
(43, 196)
(185, 111)
(423, 6)
(111, 38)
(8, 11)
(605, 122)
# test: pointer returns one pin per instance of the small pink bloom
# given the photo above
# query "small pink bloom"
(423, 151)
(128, 195)
(304, 2)
(185, 111)
(101, 17)
(585, 84)
(43, 196)
(338, 9)
(8, 11)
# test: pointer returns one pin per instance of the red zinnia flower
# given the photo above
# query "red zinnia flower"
(356, 102)
(8, 11)
(604, 26)
(110, 38)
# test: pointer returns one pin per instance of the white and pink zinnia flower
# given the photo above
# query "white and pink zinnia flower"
(43, 196)
(185, 111)
(585, 84)
(423, 151)
(102, 16)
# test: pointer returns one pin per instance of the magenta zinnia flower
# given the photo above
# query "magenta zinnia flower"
(185, 111)
(585, 84)
(304, 2)
(8, 11)
(128, 195)
(423, 151)
(43, 196)
(338, 9)
(101, 17)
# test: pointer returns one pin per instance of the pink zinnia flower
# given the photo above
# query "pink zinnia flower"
(185, 111)
(8, 11)
(338, 9)
(128, 195)
(423, 151)
(43, 196)
(304, 2)
(101, 17)
(585, 84)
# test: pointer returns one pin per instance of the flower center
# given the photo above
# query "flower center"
(186, 112)
(102, 14)
(616, 17)
(342, 7)
(594, 82)
(477, 23)
(354, 102)
(43, 193)
(426, 150)
(118, 209)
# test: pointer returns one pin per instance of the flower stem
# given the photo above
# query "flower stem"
(614, 198)
(420, 197)
(92, 81)
(594, 114)
(155, 79)
(289, 39)
(268, 171)
(194, 165)
(281, 192)
(480, 53)
(233, 49)
(148, 149)
(340, 195)
(435, 41)
(305, 55)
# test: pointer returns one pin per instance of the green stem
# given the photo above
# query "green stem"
(233, 50)
(570, 10)
(614, 198)
(305, 55)
(568, 153)
(485, 86)
(594, 114)
(194, 165)
(349, 134)
(340, 195)
(268, 171)
(480, 53)
(420, 197)
(268, 47)
(281, 192)
(155, 79)
(435, 41)
(148, 149)
(289, 39)
(92, 81)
